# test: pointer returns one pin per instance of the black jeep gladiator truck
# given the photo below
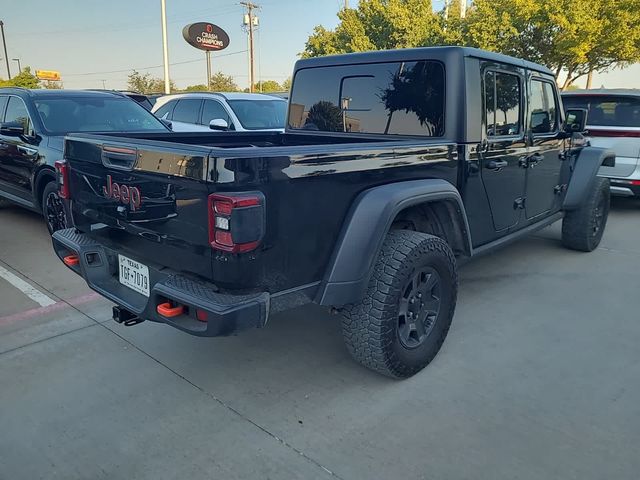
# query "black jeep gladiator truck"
(395, 167)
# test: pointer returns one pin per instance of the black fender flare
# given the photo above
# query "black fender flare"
(44, 171)
(365, 228)
(585, 171)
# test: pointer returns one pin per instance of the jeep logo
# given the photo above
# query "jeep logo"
(123, 193)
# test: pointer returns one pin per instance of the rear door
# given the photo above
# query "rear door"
(186, 115)
(543, 162)
(146, 199)
(504, 144)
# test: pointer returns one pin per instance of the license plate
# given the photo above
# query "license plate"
(134, 275)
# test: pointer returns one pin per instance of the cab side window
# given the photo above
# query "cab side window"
(3, 104)
(187, 110)
(544, 108)
(17, 113)
(503, 102)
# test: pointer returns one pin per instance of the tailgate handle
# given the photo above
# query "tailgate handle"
(121, 158)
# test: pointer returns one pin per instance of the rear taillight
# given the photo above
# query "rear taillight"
(236, 221)
(62, 176)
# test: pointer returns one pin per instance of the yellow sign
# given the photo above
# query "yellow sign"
(48, 75)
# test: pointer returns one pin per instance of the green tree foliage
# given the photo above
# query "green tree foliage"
(378, 25)
(196, 88)
(223, 83)
(571, 36)
(49, 85)
(267, 86)
(24, 79)
(146, 84)
(286, 85)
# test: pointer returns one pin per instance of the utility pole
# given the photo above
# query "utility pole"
(346, 4)
(463, 8)
(4, 44)
(165, 46)
(250, 22)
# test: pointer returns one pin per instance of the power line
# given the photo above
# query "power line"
(149, 67)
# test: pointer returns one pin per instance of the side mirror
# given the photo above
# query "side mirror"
(11, 129)
(576, 120)
(218, 124)
(167, 123)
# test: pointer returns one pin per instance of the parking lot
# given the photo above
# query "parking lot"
(538, 379)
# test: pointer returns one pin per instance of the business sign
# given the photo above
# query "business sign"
(206, 36)
(48, 75)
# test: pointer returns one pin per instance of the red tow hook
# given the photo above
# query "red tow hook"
(71, 260)
(166, 310)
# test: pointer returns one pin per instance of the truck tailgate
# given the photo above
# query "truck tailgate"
(148, 199)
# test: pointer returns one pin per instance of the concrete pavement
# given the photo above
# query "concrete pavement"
(537, 379)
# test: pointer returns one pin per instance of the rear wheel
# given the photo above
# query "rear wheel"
(582, 229)
(53, 208)
(401, 323)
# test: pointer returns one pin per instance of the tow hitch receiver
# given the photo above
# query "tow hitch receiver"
(125, 317)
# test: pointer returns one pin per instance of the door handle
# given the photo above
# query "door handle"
(534, 159)
(496, 164)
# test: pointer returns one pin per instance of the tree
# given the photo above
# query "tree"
(286, 85)
(145, 83)
(577, 37)
(49, 85)
(223, 83)
(267, 86)
(378, 25)
(24, 79)
(571, 36)
(196, 88)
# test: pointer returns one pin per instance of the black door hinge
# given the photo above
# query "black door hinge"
(519, 203)
(558, 189)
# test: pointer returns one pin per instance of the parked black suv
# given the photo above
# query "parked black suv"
(33, 124)
(395, 167)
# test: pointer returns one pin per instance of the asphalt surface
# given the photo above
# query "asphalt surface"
(538, 379)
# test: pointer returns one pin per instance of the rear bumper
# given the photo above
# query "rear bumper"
(225, 314)
(623, 188)
(628, 186)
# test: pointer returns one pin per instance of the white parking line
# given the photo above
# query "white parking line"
(30, 291)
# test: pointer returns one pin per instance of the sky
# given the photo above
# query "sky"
(89, 41)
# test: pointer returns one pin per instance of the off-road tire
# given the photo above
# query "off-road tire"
(582, 229)
(371, 327)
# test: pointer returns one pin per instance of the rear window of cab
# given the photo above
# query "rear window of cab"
(396, 98)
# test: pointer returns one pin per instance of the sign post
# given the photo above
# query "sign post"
(208, 37)
(208, 55)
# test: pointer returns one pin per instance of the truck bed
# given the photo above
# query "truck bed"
(176, 173)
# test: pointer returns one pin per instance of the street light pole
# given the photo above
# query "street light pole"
(19, 67)
(4, 44)
(165, 47)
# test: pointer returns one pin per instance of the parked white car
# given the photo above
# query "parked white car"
(613, 122)
(204, 111)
